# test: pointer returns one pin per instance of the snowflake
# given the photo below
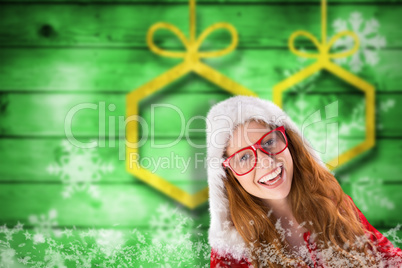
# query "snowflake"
(8, 233)
(392, 235)
(320, 125)
(301, 110)
(67, 232)
(385, 105)
(44, 226)
(79, 169)
(370, 41)
(39, 238)
(18, 227)
(54, 259)
(357, 122)
(171, 231)
(170, 225)
(7, 253)
(322, 134)
(368, 192)
(28, 235)
(110, 241)
(25, 260)
(7, 257)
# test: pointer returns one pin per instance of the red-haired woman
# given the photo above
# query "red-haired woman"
(273, 202)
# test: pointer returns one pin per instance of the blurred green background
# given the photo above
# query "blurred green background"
(63, 206)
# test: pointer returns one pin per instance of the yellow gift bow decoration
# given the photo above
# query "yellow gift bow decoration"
(192, 55)
(324, 62)
(191, 62)
(324, 55)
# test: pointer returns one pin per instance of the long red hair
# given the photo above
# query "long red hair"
(316, 198)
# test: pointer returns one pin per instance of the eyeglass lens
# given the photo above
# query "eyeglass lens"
(244, 161)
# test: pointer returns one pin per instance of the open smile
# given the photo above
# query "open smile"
(273, 179)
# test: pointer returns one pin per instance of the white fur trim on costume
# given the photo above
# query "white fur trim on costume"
(222, 119)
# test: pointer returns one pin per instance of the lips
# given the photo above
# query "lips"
(275, 182)
(271, 175)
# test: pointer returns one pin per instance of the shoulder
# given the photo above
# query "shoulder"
(384, 246)
(227, 261)
(362, 218)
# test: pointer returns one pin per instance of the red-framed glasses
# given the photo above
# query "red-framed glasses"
(244, 160)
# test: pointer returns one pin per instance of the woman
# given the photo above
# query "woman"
(274, 203)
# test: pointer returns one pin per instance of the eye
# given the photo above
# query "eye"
(269, 142)
(244, 157)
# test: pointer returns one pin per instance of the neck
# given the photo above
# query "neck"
(280, 208)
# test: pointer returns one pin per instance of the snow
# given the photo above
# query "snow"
(371, 41)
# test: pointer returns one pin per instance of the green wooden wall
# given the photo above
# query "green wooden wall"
(62, 206)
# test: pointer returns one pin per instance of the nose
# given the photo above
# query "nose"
(265, 160)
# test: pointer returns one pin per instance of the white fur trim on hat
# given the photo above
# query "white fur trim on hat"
(222, 119)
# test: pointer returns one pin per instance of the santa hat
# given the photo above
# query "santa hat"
(222, 119)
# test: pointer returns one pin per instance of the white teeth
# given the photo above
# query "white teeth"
(272, 175)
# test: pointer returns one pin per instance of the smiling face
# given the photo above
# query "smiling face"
(276, 171)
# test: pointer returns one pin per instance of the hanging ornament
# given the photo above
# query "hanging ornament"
(191, 63)
(323, 61)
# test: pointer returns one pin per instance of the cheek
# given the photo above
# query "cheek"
(289, 160)
(246, 181)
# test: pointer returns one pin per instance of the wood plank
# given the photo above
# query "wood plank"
(180, 163)
(38, 160)
(77, 24)
(380, 165)
(48, 113)
(123, 205)
(124, 70)
(80, 109)
(380, 203)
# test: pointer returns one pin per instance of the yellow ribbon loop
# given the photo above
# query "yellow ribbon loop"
(323, 48)
(211, 29)
(301, 53)
(154, 48)
(348, 52)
